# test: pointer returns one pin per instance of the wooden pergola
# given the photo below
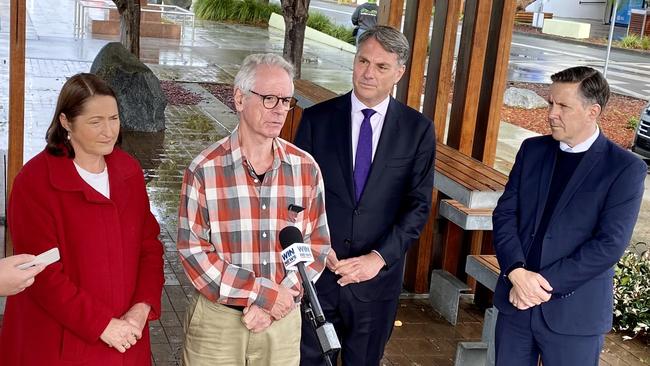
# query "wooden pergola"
(477, 89)
(474, 109)
(17, 18)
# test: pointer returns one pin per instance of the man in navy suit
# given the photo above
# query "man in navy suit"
(564, 220)
(376, 156)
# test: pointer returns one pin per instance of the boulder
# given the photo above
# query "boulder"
(523, 98)
(139, 95)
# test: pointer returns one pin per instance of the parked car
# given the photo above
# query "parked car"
(641, 143)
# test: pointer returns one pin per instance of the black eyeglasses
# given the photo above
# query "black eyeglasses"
(271, 101)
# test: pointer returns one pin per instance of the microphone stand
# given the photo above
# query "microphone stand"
(309, 313)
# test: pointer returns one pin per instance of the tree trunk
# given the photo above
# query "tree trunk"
(129, 24)
(295, 21)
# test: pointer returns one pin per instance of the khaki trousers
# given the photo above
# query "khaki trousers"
(216, 336)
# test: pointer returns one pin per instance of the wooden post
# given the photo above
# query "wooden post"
(441, 61)
(16, 96)
(494, 81)
(421, 253)
(390, 13)
(469, 73)
(416, 29)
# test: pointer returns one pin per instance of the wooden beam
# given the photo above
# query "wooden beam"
(417, 23)
(16, 95)
(469, 73)
(441, 61)
(390, 13)
(494, 81)
(420, 256)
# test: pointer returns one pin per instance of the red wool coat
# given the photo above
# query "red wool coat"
(111, 258)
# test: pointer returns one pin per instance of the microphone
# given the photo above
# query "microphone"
(296, 254)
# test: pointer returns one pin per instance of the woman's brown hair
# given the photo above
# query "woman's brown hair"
(72, 99)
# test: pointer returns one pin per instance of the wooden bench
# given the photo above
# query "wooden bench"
(464, 217)
(475, 189)
(307, 94)
(485, 270)
(526, 17)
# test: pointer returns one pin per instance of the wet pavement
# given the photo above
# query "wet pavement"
(214, 56)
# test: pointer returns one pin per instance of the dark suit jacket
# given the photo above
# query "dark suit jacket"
(397, 197)
(587, 233)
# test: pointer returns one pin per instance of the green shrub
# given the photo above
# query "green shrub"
(645, 43)
(631, 41)
(632, 123)
(323, 23)
(240, 11)
(632, 291)
(256, 12)
(319, 21)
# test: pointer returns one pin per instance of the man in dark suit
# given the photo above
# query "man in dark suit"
(376, 156)
(565, 219)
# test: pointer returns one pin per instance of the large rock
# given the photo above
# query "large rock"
(523, 98)
(141, 99)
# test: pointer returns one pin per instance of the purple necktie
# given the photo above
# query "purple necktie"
(363, 158)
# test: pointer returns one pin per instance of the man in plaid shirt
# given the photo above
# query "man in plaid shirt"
(236, 197)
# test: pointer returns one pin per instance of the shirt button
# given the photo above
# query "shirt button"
(264, 235)
(263, 207)
(256, 180)
(264, 262)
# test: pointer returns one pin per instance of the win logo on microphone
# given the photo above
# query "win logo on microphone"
(296, 253)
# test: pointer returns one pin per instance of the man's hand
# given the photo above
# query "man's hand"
(331, 261)
(137, 316)
(14, 280)
(284, 303)
(120, 335)
(358, 269)
(256, 319)
(528, 289)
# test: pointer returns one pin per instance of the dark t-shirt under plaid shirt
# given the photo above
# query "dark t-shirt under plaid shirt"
(229, 222)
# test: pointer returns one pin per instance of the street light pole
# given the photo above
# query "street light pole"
(612, 23)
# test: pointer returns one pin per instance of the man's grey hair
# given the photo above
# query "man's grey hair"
(246, 77)
(390, 39)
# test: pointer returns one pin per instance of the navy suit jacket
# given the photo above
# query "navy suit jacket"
(588, 232)
(396, 200)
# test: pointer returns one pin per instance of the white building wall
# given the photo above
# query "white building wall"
(586, 9)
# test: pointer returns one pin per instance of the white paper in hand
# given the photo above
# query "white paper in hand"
(45, 258)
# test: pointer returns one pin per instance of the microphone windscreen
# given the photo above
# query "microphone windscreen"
(290, 235)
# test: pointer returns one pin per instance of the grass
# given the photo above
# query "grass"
(257, 13)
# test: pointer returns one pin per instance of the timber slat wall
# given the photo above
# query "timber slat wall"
(480, 77)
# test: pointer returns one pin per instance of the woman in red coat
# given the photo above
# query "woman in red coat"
(88, 199)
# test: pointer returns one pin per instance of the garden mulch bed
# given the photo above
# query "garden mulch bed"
(177, 95)
(614, 122)
(221, 91)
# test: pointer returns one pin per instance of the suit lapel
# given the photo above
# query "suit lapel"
(546, 173)
(389, 133)
(591, 158)
(343, 142)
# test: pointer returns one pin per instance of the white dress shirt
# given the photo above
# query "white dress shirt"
(583, 146)
(376, 121)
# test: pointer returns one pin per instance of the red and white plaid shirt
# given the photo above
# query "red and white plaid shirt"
(229, 222)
